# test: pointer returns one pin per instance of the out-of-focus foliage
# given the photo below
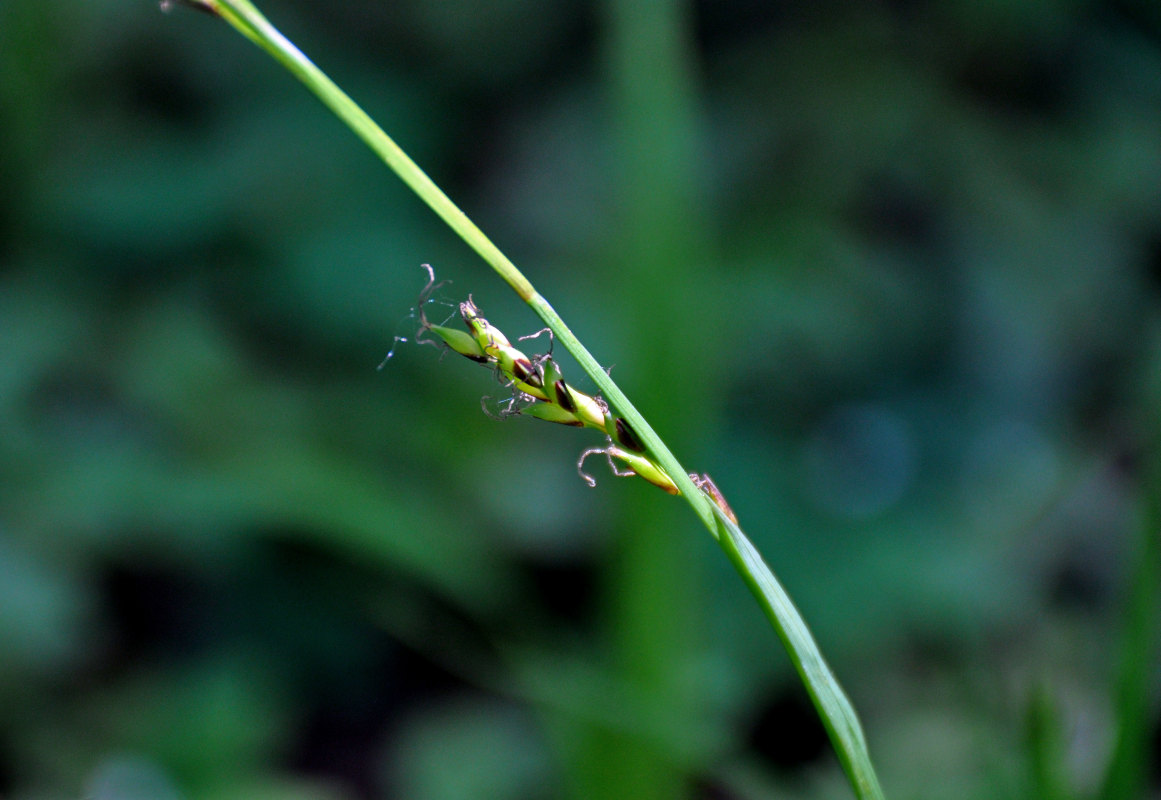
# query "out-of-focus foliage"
(236, 561)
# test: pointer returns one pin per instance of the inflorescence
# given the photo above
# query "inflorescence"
(539, 390)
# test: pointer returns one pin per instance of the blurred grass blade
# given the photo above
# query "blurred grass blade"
(1047, 764)
(838, 716)
(1127, 771)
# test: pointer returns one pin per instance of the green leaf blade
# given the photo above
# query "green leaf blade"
(834, 708)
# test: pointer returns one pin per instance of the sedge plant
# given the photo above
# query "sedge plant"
(632, 446)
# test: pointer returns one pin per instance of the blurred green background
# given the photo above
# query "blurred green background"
(888, 271)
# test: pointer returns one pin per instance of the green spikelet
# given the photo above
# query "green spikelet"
(553, 413)
(460, 342)
(634, 464)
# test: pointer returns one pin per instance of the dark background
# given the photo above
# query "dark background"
(888, 271)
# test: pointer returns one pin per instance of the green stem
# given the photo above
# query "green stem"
(831, 702)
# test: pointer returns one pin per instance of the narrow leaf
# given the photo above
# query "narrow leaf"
(838, 716)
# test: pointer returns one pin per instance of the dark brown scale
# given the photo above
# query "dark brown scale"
(523, 370)
(626, 437)
(166, 5)
(564, 397)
